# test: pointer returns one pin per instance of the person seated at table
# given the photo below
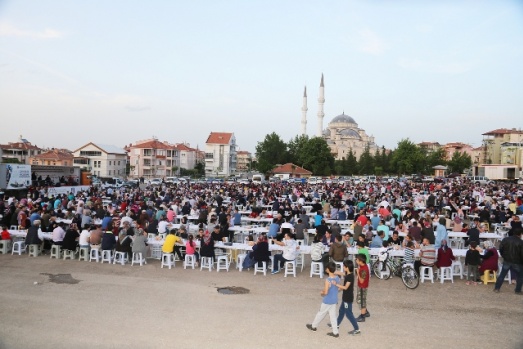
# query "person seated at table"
(163, 225)
(401, 228)
(217, 234)
(318, 218)
(321, 229)
(299, 230)
(58, 234)
(377, 241)
(465, 228)
(124, 244)
(428, 231)
(457, 224)
(170, 244)
(328, 239)
(473, 235)
(274, 228)
(395, 239)
(207, 245)
(415, 231)
(489, 259)
(190, 249)
(260, 250)
(427, 255)
(83, 240)
(338, 251)
(289, 252)
(32, 237)
(140, 242)
(71, 236)
(347, 239)
(407, 239)
(285, 227)
(445, 255)
(317, 249)
(515, 223)
(5, 233)
(363, 240)
(335, 228)
(108, 240)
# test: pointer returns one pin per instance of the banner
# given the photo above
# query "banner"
(17, 176)
(66, 190)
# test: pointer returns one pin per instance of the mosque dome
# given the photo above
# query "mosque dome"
(327, 132)
(342, 118)
(350, 133)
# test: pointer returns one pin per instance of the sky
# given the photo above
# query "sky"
(119, 71)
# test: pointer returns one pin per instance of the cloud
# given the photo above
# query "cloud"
(370, 42)
(137, 108)
(9, 30)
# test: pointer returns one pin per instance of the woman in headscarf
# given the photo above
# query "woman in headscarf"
(489, 258)
(140, 242)
(207, 245)
(441, 232)
(445, 255)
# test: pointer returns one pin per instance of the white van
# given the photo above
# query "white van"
(257, 179)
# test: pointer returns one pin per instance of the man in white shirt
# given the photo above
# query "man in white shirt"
(289, 252)
(83, 241)
(58, 234)
(163, 225)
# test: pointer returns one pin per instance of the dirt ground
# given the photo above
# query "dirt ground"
(114, 306)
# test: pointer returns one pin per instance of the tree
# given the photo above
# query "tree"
(435, 158)
(317, 157)
(270, 152)
(459, 162)
(366, 162)
(199, 168)
(296, 149)
(351, 165)
(407, 158)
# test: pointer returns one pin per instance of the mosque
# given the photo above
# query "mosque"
(342, 134)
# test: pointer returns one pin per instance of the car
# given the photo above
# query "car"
(244, 181)
(130, 184)
(327, 181)
(454, 175)
(171, 180)
(520, 181)
(480, 180)
(217, 181)
(155, 181)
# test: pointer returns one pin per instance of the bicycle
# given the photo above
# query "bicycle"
(385, 267)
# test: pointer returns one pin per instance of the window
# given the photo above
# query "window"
(109, 172)
(109, 162)
(209, 155)
(147, 152)
(118, 165)
(147, 162)
(90, 153)
(169, 153)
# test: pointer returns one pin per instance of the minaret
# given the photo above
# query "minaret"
(304, 113)
(321, 101)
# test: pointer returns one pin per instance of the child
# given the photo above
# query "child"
(363, 284)
(190, 248)
(363, 250)
(472, 261)
(383, 255)
(330, 299)
(409, 253)
(348, 297)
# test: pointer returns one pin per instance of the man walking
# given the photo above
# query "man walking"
(511, 249)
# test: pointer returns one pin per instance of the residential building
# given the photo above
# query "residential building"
(151, 158)
(502, 146)
(101, 160)
(452, 147)
(429, 147)
(244, 161)
(53, 157)
(19, 151)
(220, 154)
(188, 156)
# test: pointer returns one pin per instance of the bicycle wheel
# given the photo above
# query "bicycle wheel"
(410, 277)
(381, 270)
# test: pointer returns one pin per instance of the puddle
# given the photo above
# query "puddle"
(232, 290)
(61, 278)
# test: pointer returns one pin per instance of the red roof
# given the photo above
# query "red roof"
(287, 168)
(19, 145)
(183, 147)
(54, 155)
(502, 131)
(219, 138)
(242, 152)
(151, 144)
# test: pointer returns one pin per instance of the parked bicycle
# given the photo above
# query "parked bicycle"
(385, 267)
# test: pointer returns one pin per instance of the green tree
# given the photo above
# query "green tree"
(408, 158)
(317, 157)
(351, 165)
(366, 162)
(435, 158)
(296, 148)
(199, 168)
(459, 162)
(271, 151)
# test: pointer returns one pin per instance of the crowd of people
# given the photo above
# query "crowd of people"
(381, 213)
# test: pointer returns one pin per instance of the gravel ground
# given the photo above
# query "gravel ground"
(90, 305)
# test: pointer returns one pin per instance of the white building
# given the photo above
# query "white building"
(220, 154)
(187, 156)
(151, 158)
(101, 160)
